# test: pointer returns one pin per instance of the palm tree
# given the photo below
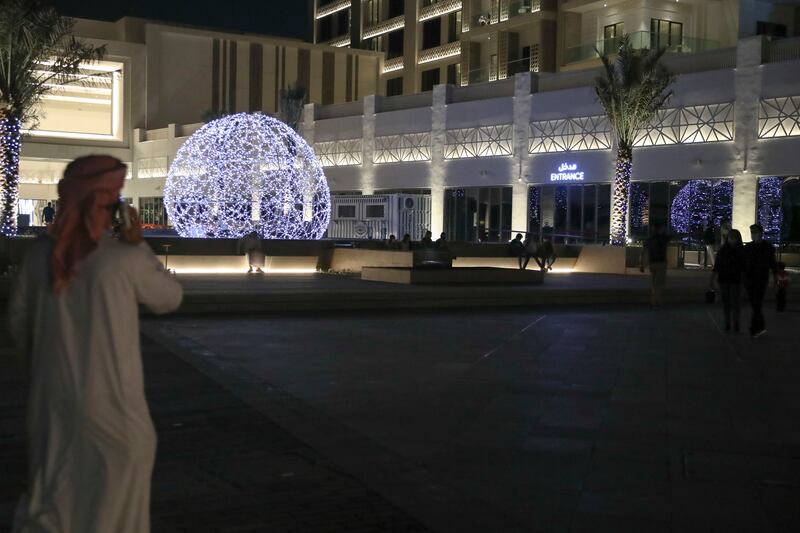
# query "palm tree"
(37, 52)
(631, 90)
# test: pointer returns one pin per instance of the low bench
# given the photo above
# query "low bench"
(230, 264)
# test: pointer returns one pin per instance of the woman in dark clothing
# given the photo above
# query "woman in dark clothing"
(728, 269)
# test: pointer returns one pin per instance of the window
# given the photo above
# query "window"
(478, 214)
(686, 207)
(394, 86)
(372, 12)
(342, 21)
(454, 27)
(432, 33)
(152, 212)
(90, 107)
(612, 36)
(454, 74)
(31, 212)
(429, 79)
(374, 211)
(570, 213)
(346, 211)
(666, 34)
(771, 29)
(779, 208)
(394, 45)
(396, 8)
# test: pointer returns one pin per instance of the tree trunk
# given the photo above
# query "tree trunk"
(10, 145)
(619, 203)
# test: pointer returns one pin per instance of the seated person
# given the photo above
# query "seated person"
(441, 242)
(427, 240)
(516, 249)
(391, 243)
(546, 255)
(405, 244)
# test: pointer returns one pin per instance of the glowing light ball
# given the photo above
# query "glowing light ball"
(247, 172)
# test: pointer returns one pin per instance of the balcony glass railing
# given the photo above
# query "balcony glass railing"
(483, 74)
(518, 65)
(478, 75)
(639, 40)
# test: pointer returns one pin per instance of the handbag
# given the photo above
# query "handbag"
(711, 296)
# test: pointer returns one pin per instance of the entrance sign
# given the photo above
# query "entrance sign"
(567, 172)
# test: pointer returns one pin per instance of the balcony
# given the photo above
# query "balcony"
(501, 13)
(640, 40)
(520, 8)
(486, 73)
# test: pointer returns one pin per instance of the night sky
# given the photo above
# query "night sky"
(288, 18)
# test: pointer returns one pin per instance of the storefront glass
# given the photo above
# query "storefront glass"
(779, 208)
(688, 208)
(478, 214)
(575, 213)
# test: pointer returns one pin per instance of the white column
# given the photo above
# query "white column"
(368, 145)
(748, 94)
(438, 140)
(522, 114)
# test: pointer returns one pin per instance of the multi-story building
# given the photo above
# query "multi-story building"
(462, 42)
(534, 152)
(156, 85)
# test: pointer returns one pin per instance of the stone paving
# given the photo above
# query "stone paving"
(571, 420)
(584, 419)
(220, 466)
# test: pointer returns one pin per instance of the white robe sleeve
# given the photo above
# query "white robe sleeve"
(155, 288)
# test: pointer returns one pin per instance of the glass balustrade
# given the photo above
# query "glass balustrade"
(639, 40)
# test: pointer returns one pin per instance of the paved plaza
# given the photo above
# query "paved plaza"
(568, 419)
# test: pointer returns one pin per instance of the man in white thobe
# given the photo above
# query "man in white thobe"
(74, 316)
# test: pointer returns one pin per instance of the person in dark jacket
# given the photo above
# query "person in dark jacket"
(759, 258)
(728, 271)
(654, 254)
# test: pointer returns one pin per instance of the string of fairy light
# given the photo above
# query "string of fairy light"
(770, 210)
(10, 146)
(247, 172)
(701, 203)
(619, 207)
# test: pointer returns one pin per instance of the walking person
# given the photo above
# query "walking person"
(654, 255)
(74, 316)
(759, 263)
(728, 271)
(782, 286)
(48, 214)
(708, 244)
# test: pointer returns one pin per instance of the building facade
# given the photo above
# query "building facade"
(155, 76)
(534, 152)
(463, 42)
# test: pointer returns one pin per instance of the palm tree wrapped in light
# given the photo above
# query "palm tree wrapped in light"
(633, 88)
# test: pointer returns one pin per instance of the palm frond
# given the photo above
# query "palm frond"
(633, 88)
(37, 51)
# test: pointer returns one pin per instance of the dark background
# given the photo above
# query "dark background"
(286, 18)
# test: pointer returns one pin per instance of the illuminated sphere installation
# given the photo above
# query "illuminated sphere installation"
(243, 173)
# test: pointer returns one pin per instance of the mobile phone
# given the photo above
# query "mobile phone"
(124, 215)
